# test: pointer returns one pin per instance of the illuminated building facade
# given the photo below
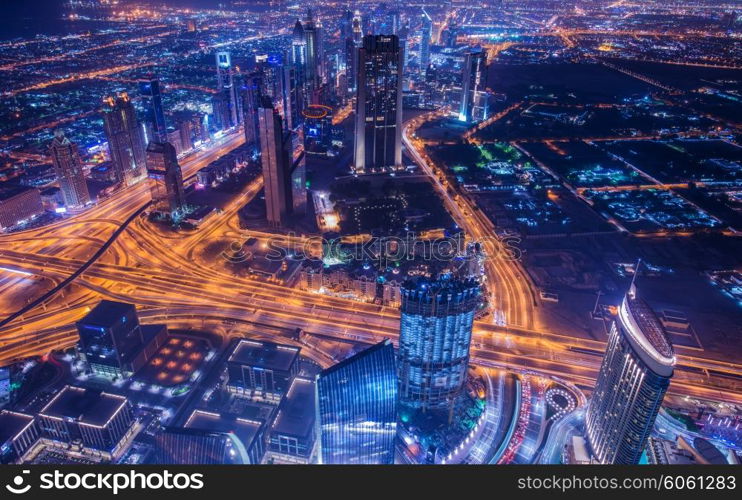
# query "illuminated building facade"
(244, 437)
(165, 177)
(227, 88)
(261, 370)
(69, 169)
(150, 92)
(18, 204)
(474, 96)
(633, 378)
(125, 138)
(18, 432)
(357, 408)
(378, 128)
(317, 129)
(113, 342)
(292, 437)
(434, 340)
(426, 33)
(96, 419)
(276, 156)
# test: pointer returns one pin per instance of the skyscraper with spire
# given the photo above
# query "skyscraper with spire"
(633, 379)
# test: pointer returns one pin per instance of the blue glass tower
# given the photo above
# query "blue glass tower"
(357, 408)
(434, 340)
(150, 91)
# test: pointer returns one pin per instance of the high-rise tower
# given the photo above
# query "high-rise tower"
(276, 157)
(426, 32)
(166, 178)
(474, 97)
(434, 340)
(633, 378)
(378, 130)
(69, 170)
(357, 408)
(125, 138)
(226, 86)
(150, 92)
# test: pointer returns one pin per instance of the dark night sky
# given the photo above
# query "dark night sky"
(27, 18)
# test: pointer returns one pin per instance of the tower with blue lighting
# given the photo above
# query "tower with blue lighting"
(357, 408)
(434, 340)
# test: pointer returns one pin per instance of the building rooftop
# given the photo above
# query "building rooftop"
(86, 406)
(12, 423)
(337, 366)
(264, 354)
(647, 334)
(245, 429)
(107, 313)
(8, 191)
(296, 412)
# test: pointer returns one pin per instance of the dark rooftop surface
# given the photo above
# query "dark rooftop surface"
(296, 413)
(264, 354)
(650, 326)
(84, 405)
(107, 313)
(8, 191)
(11, 423)
(366, 352)
(246, 430)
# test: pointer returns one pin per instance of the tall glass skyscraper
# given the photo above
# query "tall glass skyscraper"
(276, 155)
(357, 408)
(166, 178)
(474, 98)
(434, 340)
(378, 130)
(69, 169)
(426, 32)
(150, 91)
(225, 75)
(125, 138)
(632, 382)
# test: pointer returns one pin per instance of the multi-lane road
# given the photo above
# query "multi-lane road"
(159, 274)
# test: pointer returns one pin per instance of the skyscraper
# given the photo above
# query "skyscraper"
(352, 44)
(434, 340)
(150, 91)
(226, 86)
(125, 138)
(314, 53)
(166, 178)
(474, 97)
(276, 158)
(378, 130)
(356, 408)
(633, 378)
(426, 32)
(250, 102)
(70, 174)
